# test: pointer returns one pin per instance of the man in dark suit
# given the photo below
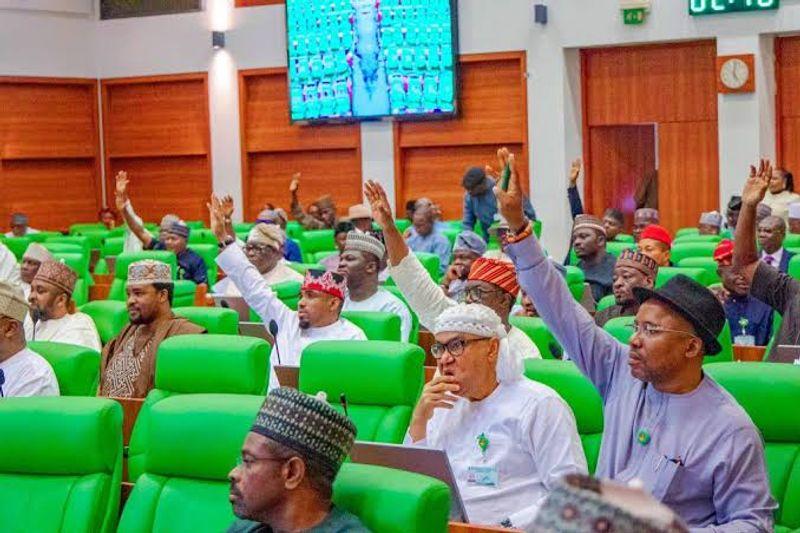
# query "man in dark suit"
(771, 232)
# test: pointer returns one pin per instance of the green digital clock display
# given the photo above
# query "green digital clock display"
(718, 7)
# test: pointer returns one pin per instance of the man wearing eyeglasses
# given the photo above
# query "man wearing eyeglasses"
(264, 249)
(509, 439)
(666, 423)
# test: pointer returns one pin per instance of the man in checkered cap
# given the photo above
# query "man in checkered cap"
(361, 262)
(289, 461)
(633, 269)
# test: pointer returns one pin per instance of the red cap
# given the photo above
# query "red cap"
(657, 233)
(724, 252)
(496, 272)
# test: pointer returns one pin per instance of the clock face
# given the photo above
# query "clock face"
(734, 73)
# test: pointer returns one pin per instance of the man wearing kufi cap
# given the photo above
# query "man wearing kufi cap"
(173, 236)
(22, 371)
(642, 218)
(469, 246)
(667, 424)
(19, 226)
(318, 311)
(633, 269)
(491, 282)
(326, 219)
(264, 248)
(127, 367)
(771, 234)
(589, 243)
(34, 256)
(361, 262)
(509, 439)
(750, 319)
(291, 250)
(710, 223)
(289, 461)
(53, 311)
(794, 218)
(655, 241)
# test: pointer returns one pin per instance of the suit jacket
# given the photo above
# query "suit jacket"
(787, 256)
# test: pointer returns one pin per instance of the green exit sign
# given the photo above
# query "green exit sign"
(717, 7)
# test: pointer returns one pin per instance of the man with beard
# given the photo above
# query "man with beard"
(771, 233)
(317, 317)
(589, 243)
(469, 246)
(641, 219)
(127, 368)
(633, 269)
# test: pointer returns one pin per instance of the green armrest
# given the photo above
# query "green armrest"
(376, 326)
(537, 331)
(213, 319)
(682, 250)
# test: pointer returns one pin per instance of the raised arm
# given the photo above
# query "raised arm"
(124, 206)
(306, 220)
(574, 196)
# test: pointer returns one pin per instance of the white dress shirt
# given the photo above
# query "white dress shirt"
(386, 302)
(77, 329)
(27, 373)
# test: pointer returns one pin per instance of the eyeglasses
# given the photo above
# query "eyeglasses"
(258, 248)
(454, 347)
(479, 294)
(648, 330)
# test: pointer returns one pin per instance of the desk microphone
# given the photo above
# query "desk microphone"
(343, 401)
(273, 330)
(224, 303)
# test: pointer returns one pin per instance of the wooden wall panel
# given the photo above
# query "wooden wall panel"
(157, 129)
(431, 157)
(49, 151)
(328, 156)
(787, 53)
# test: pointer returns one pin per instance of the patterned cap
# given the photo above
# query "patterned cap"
(269, 234)
(148, 272)
(308, 426)
(12, 302)
(476, 319)
(325, 281)
(471, 242)
(37, 252)
(496, 272)
(647, 213)
(358, 211)
(179, 228)
(364, 242)
(656, 233)
(723, 253)
(635, 259)
(167, 221)
(57, 274)
(588, 222)
(712, 218)
(276, 216)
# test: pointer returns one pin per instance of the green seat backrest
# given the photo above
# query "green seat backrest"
(682, 250)
(615, 247)
(382, 381)
(392, 501)
(302, 268)
(17, 245)
(83, 242)
(80, 295)
(119, 231)
(413, 337)
(60, 464)
(706, 263)
(243, 227)
(686, 231)
(95, 237)
(185, 291)
(537, 228)
(78, 229)
(79, 263)
(214, 319)
(319, 256)
(294, 229)
(430, 262)
(64, 248)
(402, 224)
(377, 326)
(112, 246)
(565, 378)
(725, 340)
(624, 237)
(200, 364)
(202, 236)
(535, 328)
(715, 239)
(192, 442)
(315, 241)
(287, 291)
(769, 393)
(195, 224)
(575, 280)
(209, 254)
(451, 233)
(43, 236)
(77, 368)
(109, 317)
(794, 267)
(792, 240)
(605, 302)
(621, 328)
(667, 273)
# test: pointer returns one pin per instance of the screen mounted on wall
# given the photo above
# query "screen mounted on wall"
(368, 59)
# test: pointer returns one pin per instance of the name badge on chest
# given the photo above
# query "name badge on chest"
(482, 474)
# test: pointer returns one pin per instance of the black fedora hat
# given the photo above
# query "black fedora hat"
(693, 302)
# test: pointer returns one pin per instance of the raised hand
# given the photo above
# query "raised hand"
(510, 201)
(226, 203)
(574, 172)
(755, 187)
(295, 184)
(121, 190)
(379, 202)
(217, 218)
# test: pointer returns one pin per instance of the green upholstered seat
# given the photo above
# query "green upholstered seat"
(117, 290)
(565, 378)
(213, 319)
(209, 254)
(42, 236)
(615, 247)
(83, 242)
(377, 326)
(794, 267)
(64, 248)
(314, 241)
(402, 224)
(60, 464)
(79, 263)
(697, 239)
(682, 232)
(287, 291)
(769, 393)
(95, 237)
(319, 256)
(202, 236)
(243, 227)
(682, 250)
(430, 262)
(535, 328)
(77, 368)
(667, 273)
(792, 240)
(413, 337)
(17, 245)
(195, 224)
(78, 229)
(185, 291)
(294, 229)
(382, 381)
(302, 268)
(575, 280)
(80, 295)
(621, 328)
(109, 317)
(112, 246)
(605, 302)
(706, 263)
(200, 364)
(451, 233)
(623, 237)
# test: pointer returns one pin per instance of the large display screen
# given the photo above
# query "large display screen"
(366, 59)
(714, 7)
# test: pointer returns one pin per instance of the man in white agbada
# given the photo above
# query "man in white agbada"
(361, 263)
(317, 316)
(9, 269)
(51, 302)
(490, 282)
(22, 371)
(509, 439)
(264, 249)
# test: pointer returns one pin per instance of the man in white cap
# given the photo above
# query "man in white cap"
(794, 218)
(469, 246)
(19, 226)
(127, 368)
(589, 243)
(34, 256)
(9, 268)
(269, 215)
(710, 223)
(361, 262)
(53, 310)
(22, 372)
(509, 439)
(361, 217)
(264, 249)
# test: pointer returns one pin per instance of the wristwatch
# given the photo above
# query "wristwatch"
(227, 242)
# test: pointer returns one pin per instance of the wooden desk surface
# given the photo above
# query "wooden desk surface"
(749, 353)
(460, 527)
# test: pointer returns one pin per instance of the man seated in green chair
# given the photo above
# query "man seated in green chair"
(22, 371)
(264, 248)
(633, 269)
(361, 262)
(127, 368)
(318, 311)
(710, 223)
(53, 311)
(509, 439)
(469, 246)
(325, 212)
(290, 459)
(34, 256)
